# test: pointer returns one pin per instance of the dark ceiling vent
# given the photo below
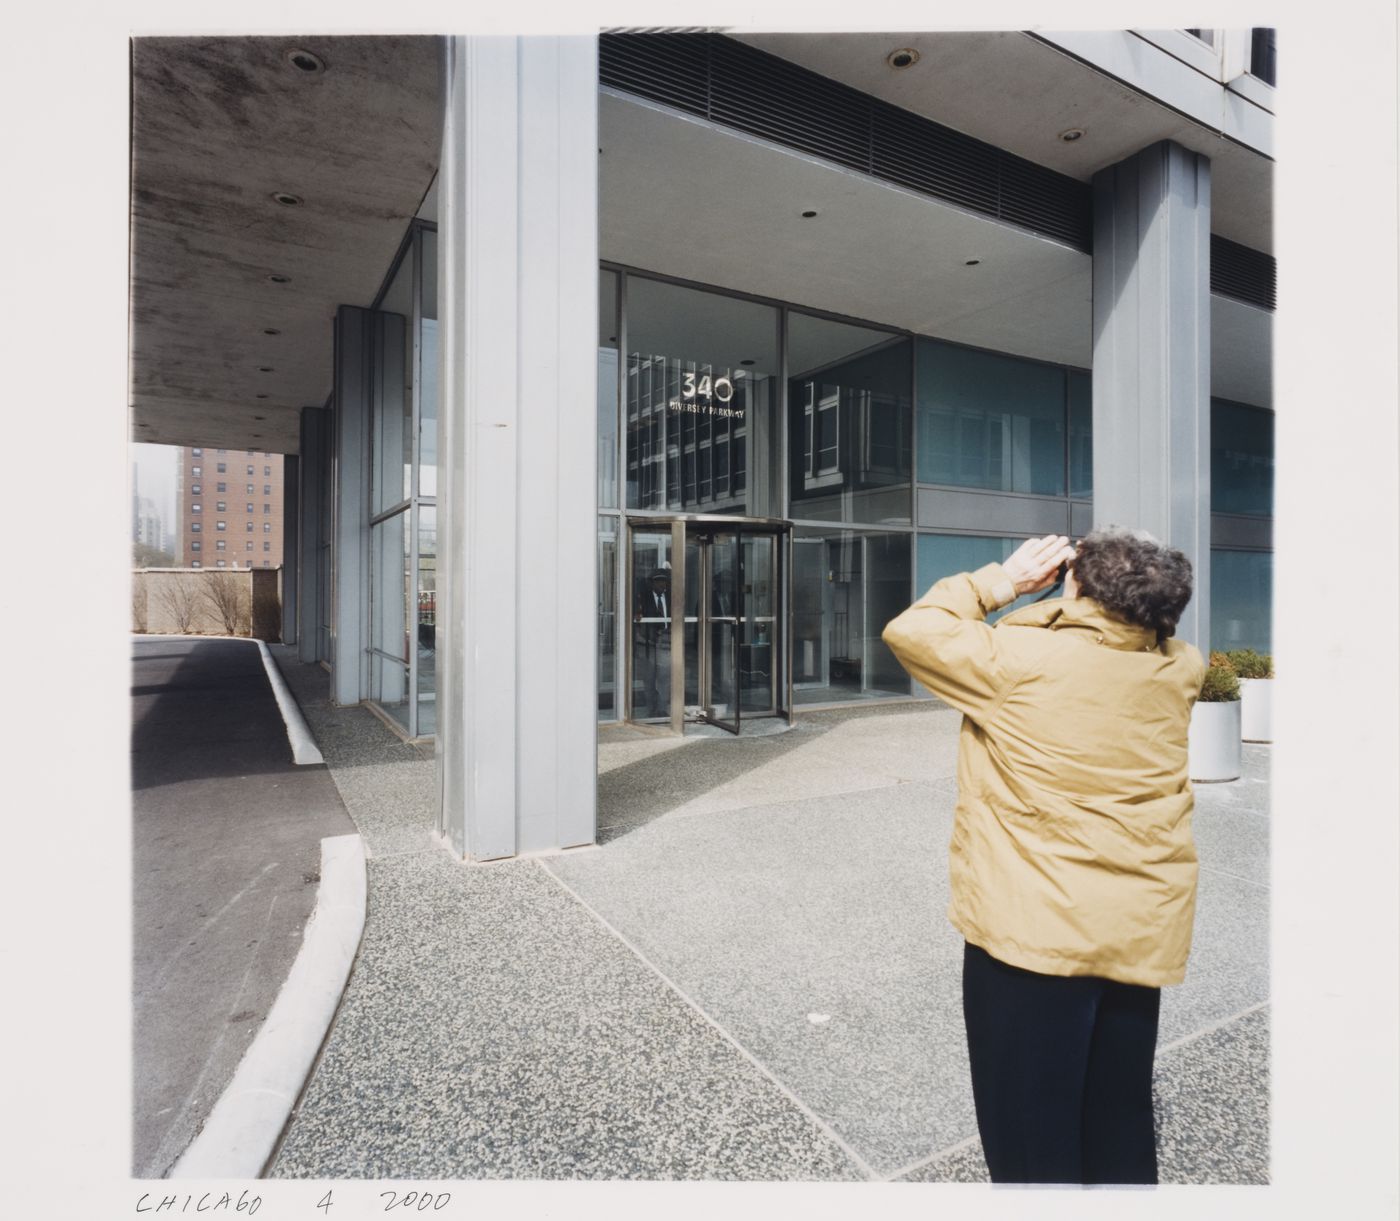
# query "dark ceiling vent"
(751, 91)
(1242, 273)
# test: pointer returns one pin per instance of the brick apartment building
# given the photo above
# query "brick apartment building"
(229, 505)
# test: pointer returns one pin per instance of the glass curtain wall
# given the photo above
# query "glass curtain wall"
(712, 403)
(403, 487)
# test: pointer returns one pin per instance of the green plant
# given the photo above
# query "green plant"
(1249, 664)
(1220, 686)
(1222, 660)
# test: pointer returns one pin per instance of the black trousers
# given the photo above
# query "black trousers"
(1061, 1073)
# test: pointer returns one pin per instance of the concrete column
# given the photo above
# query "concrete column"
(350, 593)
(518, 277)
(1152, 356)
(311, 470)
(291, 493)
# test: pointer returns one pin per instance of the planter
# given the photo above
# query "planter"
(1213, 741)
(1257, 709)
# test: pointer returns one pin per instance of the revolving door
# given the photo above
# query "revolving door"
(708, 637)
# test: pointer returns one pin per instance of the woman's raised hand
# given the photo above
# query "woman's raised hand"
(1032, 566)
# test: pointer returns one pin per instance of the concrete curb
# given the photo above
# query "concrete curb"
(242, 1130)
(304, 749)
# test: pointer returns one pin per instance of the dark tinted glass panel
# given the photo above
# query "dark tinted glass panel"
(1081, 434)
(850, 422)
(846, 585)
(1241, 599)
(1241, 459)
(607, 390)
(942, 555)
(990, 421)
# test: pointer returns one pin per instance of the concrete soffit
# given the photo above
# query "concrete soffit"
(220, 128)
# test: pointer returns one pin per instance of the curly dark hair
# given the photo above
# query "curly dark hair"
(1134, 577)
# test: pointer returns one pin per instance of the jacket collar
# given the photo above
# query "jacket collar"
(1083, 616)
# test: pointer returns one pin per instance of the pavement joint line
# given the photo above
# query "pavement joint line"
(304, 749)
(865, 1168)
(1225, 873)
(240, 1135)
(966, 1143)
(1212, 1027)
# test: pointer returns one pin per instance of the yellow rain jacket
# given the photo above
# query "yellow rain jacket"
(1072, 851)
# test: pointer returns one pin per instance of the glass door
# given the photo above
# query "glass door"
(722, 595)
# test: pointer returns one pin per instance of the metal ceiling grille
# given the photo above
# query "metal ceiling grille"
(1242, 273)
(751, 91)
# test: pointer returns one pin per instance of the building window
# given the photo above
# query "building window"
(247, 525)
(1263, 55)
(222, 467)
(196, 471)
(219, 545)
(266, 546)
(223, 487)
(250, 470)
(248, 546)
(267, 527)
(197, 452)
(196, 545)
(267, 470)
(990, 421)
(195, 489)
(196, 527)
(267, 489)
(267, 563)
(223, 525)
(221, 505)
(195, 508)
(1241, 459)
(250, 489)
(222, 564)
(250, 452)
(250, 506)
(195, 564)
(267, 508)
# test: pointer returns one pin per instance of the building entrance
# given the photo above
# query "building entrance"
(708, 631)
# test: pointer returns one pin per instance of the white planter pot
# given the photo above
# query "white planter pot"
(1213, 741)
(1257, 709)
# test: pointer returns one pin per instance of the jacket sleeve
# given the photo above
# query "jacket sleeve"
(944, 641)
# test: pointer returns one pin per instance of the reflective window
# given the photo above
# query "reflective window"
(608, 323)
(607, 620)
(849, 422)
(1241, 599)
(1081, 434)
(846, 586)
(990, 421)
(701, 395)
(1241, 459)
(943, 555)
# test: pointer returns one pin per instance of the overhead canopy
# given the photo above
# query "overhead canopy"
(220, 128)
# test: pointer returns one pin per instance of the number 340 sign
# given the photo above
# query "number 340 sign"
(703, 394)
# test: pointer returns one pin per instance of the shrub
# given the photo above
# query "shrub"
(1249, 664)
(1220, 686)
(1222, 660)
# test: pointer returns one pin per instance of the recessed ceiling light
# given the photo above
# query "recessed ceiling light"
(746, 362)
(261, 396)
(905, 57)
(280, 279)
(271, 330)
(260, 417)
(287, 199)
(1070, 135)
(971, 262)
(809, 214)
(305, 61)
(264, 368)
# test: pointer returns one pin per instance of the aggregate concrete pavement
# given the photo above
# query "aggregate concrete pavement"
(226, 849)
(751, 978)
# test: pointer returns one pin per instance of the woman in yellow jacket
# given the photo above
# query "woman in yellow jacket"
(1073, 869)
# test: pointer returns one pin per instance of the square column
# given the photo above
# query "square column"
(1152, 357)
(312, 464)
(291, 493)
(517, 483)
